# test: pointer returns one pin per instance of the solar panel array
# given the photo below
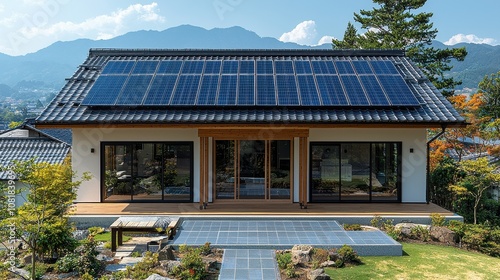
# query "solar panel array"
(298, 81)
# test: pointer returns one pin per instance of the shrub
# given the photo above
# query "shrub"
(290, 271)
(420, 233)
(283, 260)
(376, 221)
(205, 249)
(319, 255)
(192, 265)
(40, 269)
(95, 230)
(136, 254)
(437, 220)
(67, 263)
(352, 227)
(483, 238)
(347, 255)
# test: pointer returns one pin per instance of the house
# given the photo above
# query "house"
(26, 142)
(207, 126)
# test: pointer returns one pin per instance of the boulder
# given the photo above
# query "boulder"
(167, 253)
(104, 258)
(169, 266)
(318, 274)
(301, 254)
(443, 235)
(327, 264)
(406, 228)
(157, 277)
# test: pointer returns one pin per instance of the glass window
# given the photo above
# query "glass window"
(148, 172)
(355, 172)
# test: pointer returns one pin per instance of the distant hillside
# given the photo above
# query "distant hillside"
(58, 61)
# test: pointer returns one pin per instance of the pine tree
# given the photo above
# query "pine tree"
(393, 25)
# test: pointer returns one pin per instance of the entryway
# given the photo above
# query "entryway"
(253, 169)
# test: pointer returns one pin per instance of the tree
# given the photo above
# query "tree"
(14, 124)
(42, 222)
(477, 177)
(350, 39)
(394, 26)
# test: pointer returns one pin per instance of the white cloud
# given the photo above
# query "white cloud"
(325, 40)
(304, 33)
(470, 38)
(35, 26)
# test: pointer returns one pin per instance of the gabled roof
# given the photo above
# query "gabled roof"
(42, 147)
(248, 87)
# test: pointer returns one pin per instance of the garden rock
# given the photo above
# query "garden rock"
(157, 277)
(301, 254)
(327, 264)
(80, 234)
(443, 235)
(406, 228)
(169, 266)
(166, 253)
(318, 274)
(19, 271)
(104, 258)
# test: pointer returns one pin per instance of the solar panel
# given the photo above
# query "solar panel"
(161, 90)
(134, 90)
(208, 90)
(362, 67)
(227, 90)
(330, 90)
(145, 67)
(354, 90)
(118, 67)
(287, 90)
(344, 67)
(323, 67)
(230, 67)
(105, 90)
(192, 67)
(169, 67)
(284, 67)
(247, 67)
(397, 90)
(384, 67)
(373, 90)
(308, 91)
(212, 66)
(265, 67)
(186, 90)
(266, 93)
(246, 90)
(303, 67)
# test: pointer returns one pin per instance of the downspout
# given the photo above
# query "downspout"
(428, 168)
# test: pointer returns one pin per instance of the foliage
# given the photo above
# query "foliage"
(423, 261)
(205, 249)
(318, 256)
(419, 232)
(13, 124)
(376, 221)
(142, 269)
(290, 271)
(352, 227)
(490, 89)
(478, 176)
(479, 237)
(392, 25)
(283, 259)
(441, 177)
(40, 269)
(83, 260)
(192, 265)
(41, 222)
(437, 220)
(136, 254)
(347, 255)
(386, 225)
(95, 230)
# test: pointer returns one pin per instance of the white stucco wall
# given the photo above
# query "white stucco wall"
(413, 164)
(85, 139)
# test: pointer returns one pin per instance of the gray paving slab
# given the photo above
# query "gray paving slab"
(251, 264)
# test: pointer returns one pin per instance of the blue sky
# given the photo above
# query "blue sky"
(29, 25)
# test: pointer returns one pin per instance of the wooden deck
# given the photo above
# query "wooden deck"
(254, 208)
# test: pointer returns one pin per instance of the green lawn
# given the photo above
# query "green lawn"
(106, 237)
(422, 261)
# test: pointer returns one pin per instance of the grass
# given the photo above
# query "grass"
(423, 261)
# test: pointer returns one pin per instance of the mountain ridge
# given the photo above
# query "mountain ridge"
(60, 60)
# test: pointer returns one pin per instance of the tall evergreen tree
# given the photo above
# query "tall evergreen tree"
(393, 25)
(349, 41)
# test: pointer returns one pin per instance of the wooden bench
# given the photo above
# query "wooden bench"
(122, 224)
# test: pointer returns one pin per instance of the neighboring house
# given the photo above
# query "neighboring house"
(26, 142)
(208, 126)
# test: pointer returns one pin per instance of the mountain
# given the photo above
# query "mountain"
(58, 61)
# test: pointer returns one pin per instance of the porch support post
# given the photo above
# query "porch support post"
(204, 172)
(303, 172)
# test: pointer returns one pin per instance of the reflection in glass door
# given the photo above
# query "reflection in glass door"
(252, 179)
(325, 172)
(252, 169)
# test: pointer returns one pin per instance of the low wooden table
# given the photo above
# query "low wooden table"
(142, 224)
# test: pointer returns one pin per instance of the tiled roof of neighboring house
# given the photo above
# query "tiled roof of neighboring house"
(26, 142)
(71, 107)
(42, 149)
